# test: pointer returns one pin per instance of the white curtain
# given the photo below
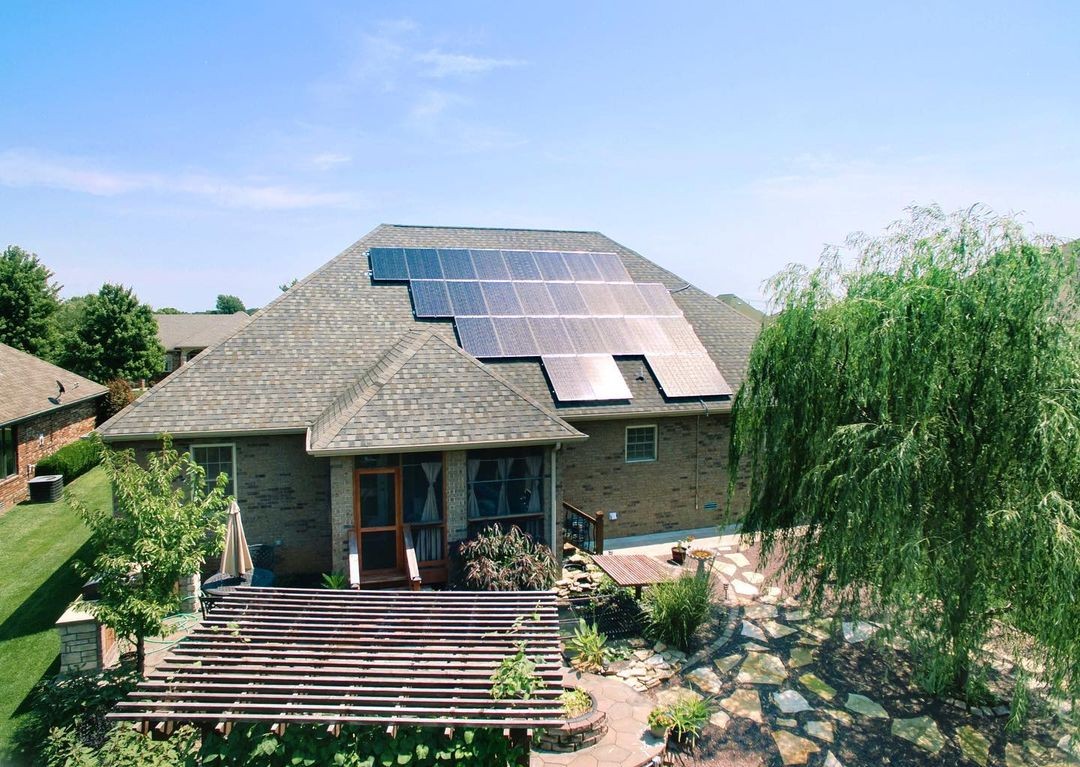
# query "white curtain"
(535, 464)
(503, 465)
(431, 505)
(474, 503)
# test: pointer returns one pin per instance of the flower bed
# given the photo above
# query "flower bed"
(575, 734)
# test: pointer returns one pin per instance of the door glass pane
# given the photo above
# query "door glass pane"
(377, 500)
(378, 551)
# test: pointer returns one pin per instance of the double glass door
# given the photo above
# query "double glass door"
(378, 519)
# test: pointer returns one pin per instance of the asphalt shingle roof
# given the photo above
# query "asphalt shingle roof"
(300, 353)
(27, 384)
(197, 331)
(426, 392)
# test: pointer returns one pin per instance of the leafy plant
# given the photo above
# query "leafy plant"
(498, 560)
(119, 397)
(28, 301)
(660, 718)
(116, 337)
(588, 646)
(516, 677)
(676, 609)
(72, 460)
(689, 715)
(335, 581)
(575, 702)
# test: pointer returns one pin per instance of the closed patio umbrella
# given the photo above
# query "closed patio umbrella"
(235, 558)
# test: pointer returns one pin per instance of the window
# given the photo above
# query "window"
(215, 460)
(506, 487)
(9, 452)
(640, 444)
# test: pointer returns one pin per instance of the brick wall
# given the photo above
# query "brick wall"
(284, 495)
(670, 493)
(59, 427)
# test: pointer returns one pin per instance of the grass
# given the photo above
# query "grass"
(38, 545)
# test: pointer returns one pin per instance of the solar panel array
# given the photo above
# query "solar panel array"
(574, 310)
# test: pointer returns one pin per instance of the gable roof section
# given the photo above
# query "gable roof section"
(28, 383)
(280, 372)
(426, 392)
(197, 331)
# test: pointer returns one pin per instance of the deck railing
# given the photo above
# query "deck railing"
(586, 531)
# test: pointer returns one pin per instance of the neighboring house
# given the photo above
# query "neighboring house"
(36, 419)
(354, 412)
(185, 335)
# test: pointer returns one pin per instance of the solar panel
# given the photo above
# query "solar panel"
(611, 267)
(423, 264)
(515, 338)
(535, 299)
(388, 264)
(490, 265)
(501, 298)
(599, 300)
(568, 300)
(586, 378)
(550, 335)
(430, 298)
(457, 264)
(477, 336)
(552, 267)
(585, 335)
(467, 299)
(688, 375)
(521, 264)
(659, 299)
(616, 335)
(629, 300)
(648, 335)
(582, 267)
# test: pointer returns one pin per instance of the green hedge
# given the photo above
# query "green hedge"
(71, 460)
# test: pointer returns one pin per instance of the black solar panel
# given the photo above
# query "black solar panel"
(423, 264)
(477, 337)
(522, 265)
(430, 299)
(582, 267)
(611, 267)
(568, 300)
(551, 336)
(515, 338)
(388, 264)
(599, 300)
(535, 299)
(501, 299)
(490, 265)
(552, 267)
(457, 264)
(585, 335)
(467, 299)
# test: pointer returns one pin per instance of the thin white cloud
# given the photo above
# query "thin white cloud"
(328, 160)
(432, 104)
(439, 64)
(22, 168)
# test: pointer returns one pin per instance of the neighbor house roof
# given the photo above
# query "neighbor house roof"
(197, 331)
(426, 392)
(29, 386)
(301, 353)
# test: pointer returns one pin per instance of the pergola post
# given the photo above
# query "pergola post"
(519, 736)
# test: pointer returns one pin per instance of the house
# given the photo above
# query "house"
(428, 382)
(185, 335)
(744, 308)
(37, 418)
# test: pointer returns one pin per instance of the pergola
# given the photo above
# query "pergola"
(386, 658)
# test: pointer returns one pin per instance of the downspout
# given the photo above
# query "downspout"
(554, 473)
(697, 455)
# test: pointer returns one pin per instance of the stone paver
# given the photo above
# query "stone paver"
(744, 703)
(820, 730)
(860, 704)
(673, 695)
(800, 656)
(706, 679)
(778, 630)
(973, 744)
(755, 578)
(762, 668)
(720, 720)
(920, 730)
(817, 686)
(841, 716)
(726, 664)
(831, 761)
(751, 631)
(792, 748)
(858, 631)
(759, 611)
(796, 615)
(738, 559)
(790, 702)
(744, 589)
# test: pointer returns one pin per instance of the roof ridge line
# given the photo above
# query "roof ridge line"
(495, 229)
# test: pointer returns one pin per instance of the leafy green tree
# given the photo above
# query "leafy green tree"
(228, 305)
(163, 525)
(28, 300)
(911, 425)
(65, 322)
(167, 310)
(116, 338)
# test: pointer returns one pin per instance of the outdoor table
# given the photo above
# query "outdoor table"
(635, 570)
(220, 584)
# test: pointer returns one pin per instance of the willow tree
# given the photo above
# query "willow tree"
(911, 424)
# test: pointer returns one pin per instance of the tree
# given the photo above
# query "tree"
(167, 310)
(228, 305)
(28, 300)
(116, 338)
(912, 430)
(163, 525)
(283, 287)
(65, 322)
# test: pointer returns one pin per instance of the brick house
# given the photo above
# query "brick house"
(36, 420)
(428, 382)
(185, 335)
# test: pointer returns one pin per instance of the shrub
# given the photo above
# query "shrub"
(498, 560)
(689, 716)
(575, 702)
(72, 460)
(516, 677)
(119, 397)
(335, 581)
(677, 608)
(588, 646)
(660, 718)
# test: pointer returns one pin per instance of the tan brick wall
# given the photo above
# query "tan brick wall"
(284, 495)
(667, 494)
(58, 427)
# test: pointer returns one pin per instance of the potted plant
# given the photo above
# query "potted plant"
(678, 551)
(659, 722)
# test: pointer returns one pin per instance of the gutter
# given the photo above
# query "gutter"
(53, 408)
(420, 447)
(198, 434)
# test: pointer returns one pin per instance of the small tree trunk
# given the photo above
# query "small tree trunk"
(140, 655)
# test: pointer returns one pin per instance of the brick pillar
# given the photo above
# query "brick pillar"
(85, 645)
(341, 510)
(457, 496)
(190, 589)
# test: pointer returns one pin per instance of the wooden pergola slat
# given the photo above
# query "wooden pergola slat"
(357, 657)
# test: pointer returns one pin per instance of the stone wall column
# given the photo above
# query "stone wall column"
(190, 590)
(80, 640)
(341, 510)
(457, 496)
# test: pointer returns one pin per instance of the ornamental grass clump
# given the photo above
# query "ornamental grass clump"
(676, 609)
(498, 560)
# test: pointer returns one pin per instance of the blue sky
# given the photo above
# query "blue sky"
(192, 149)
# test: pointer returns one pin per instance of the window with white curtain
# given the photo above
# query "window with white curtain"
(506, 487)
(422, 502)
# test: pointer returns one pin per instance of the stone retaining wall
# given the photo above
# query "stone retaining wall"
(85, 645)
(577, 733)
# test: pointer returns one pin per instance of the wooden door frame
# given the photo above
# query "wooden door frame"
(397, 527)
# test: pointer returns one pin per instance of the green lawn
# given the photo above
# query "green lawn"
(38, 543)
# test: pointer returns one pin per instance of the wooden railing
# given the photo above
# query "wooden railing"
(412, 568)
(354, 561)
(586, 531)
